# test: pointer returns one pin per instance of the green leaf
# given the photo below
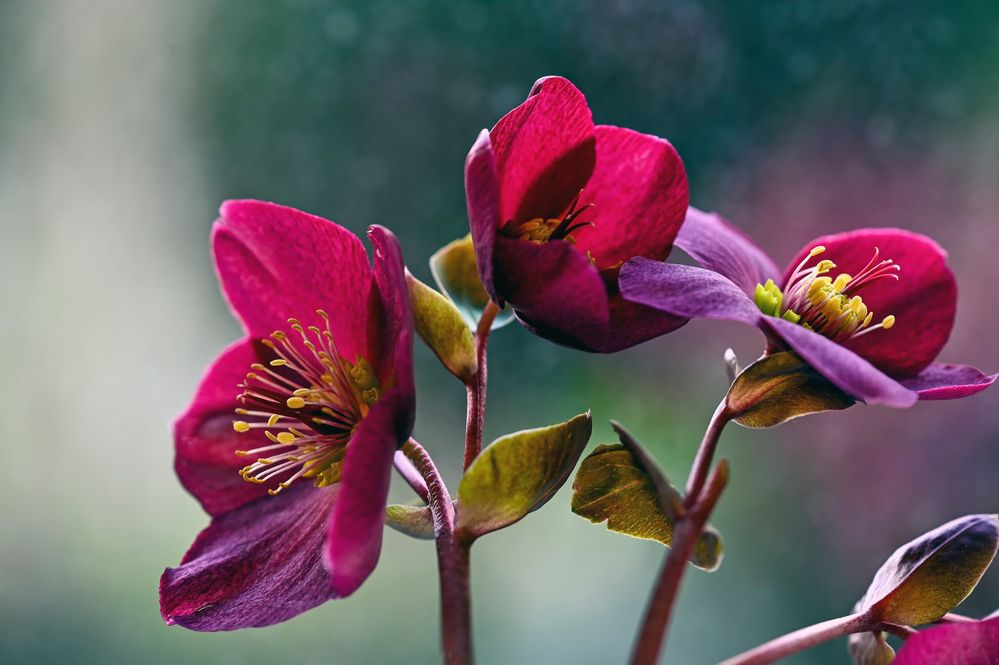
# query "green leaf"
(442, 327)
(415, 521)
(622, 485)
(457, 275)
(780, 387)
(930, 576)
(517, 474)
(870, 649)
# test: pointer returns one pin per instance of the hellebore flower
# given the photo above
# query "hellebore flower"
(294, 464)
(868, 309)
(556, 204)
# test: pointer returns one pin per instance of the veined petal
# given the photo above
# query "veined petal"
(555, 289)
(483, 200)
(354, 532)
(639, 190)
(945, 381)
(276, 262)
(544, 151)
(205, 442)
(686, 291)
(923, 300)
(396, 366)
(724, 248)
(844, 368)
(257, 565)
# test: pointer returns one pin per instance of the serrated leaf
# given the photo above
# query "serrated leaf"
(973, 643)
(457, 276)
(517, 474)
(617, 485)
(930, 576)
(443, 328)
(870, 649)
(780, 387)
(415, 521)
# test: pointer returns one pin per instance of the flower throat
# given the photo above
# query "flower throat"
(307, 404)
(830, 307)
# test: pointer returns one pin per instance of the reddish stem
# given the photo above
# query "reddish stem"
(476, 388)
(706, 451)
(452, 562)
(799, 640)
(686, 533)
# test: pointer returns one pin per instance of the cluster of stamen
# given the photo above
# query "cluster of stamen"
(828, 306)
(540, 230)
(307, 403)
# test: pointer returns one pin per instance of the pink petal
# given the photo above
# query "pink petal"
(482, 199)
(944, 381)
(844, 368)
(354, 532)
(686, 291)
(556, 289)
(276, 262)
(206, 444)
(923, 300)
(718, 245)
(974, 643)
(544, 151)
(257, 565)
(639, 190)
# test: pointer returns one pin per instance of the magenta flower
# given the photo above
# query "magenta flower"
(556, 205)
(294, 464)
(868, 309)
(972, 642)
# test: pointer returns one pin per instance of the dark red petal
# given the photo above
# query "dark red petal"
(923, 300)
(844, 368)
(205, 442)
(639, 190)
(482, 199)
(555, 288)
(686, 291)
(397, 365)
(720, 246)
(944, 381)
(254, 566)
(276, 262)
(544, 151)
(354, 532)
(972, 643)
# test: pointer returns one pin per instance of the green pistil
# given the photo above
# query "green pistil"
(768, 298)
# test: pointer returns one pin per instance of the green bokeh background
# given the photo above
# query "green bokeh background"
(124, 124)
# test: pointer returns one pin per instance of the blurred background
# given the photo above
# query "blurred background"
(123, 126)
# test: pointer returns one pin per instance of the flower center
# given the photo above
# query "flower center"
(307, 404)
(540, 230)
(830, 307)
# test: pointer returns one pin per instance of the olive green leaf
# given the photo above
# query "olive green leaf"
(870, 649)
(415, 521)
(930, 576)
(780, 387)
(442, 327)
(518, 473)
(457, 275)
(622, 485)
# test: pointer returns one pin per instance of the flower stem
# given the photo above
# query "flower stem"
(799, 640)
(452, 562)
(476, 388)
(706, 451)
(686, 533)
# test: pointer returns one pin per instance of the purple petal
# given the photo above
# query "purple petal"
(973, 643)
(354, 534)
(483, 200)
(719, 246)
(686, 291)
(944, 381)
(844, 368)
(254, 566)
